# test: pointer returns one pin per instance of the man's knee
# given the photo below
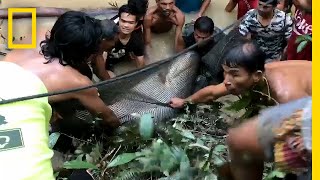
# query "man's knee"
(243, 140)
(239, 136)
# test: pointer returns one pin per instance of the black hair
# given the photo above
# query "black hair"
(139, 6)
(204, 24)
(126, 9)
(274, 3)
(246, 54)
(109, 29)
(73, 38)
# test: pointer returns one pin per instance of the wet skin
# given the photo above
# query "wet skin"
(288, 80)
(57, 77)
(161, 18)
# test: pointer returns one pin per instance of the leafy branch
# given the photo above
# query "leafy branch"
(302, 40)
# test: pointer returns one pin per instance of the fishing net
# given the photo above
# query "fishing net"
(214, 58)
(142, 91)
(148, 90)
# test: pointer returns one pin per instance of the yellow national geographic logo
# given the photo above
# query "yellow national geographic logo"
(33, 12)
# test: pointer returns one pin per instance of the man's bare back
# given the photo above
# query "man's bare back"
(75, 39)
(286, 80)
(54, 76)
(161, 18)
(289, 80)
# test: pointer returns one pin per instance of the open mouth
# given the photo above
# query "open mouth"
(125, 30)
(166, 12)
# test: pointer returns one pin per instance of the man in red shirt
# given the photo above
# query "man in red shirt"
(243, 6)
(302, 26)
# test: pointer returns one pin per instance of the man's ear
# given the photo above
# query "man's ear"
(257, 76)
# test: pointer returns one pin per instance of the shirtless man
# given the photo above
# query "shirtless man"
(74, 38)
(279, 134)
(244, 69)
(268, 137)
(111, 31)
(161, 18)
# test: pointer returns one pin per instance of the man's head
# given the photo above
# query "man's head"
(266, 7)
(110, 34)
(243, 66)
(165, 6)
(73, 38)
(203, 28)
(140, 6)
(128, 19)
(306, 5)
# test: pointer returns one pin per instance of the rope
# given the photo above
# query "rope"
(124, 76)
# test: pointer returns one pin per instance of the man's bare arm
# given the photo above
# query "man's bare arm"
(98, 66)
(147, 30)
(180, 43)
(180, 23)
(209, 93)
(204, 7)
(230, 6)
(140, 61)
(204, 95)
(91, 100)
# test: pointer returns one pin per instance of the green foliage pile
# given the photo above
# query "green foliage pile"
(191, 146)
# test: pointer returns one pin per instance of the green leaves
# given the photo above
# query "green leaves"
(302, 41)
(220, 148)
(275, 174)
(122, 159)
(188, 134)
(301, 46)
(78, 164)
(240, 104)
(53, 138)
(181, 148)
(303, 38)
(146, 126)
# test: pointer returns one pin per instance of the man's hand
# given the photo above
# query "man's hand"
(177, 102)
(90, 99)
(197, 17)
(231, 5)
(98, 66)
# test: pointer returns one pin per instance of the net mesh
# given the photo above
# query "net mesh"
(214, 58)
(139, 91)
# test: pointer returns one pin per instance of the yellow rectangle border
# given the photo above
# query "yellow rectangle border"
(315, 91)
(33, 12)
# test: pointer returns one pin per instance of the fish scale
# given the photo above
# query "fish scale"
(181, 74)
